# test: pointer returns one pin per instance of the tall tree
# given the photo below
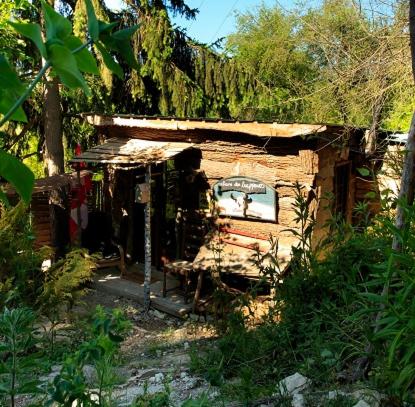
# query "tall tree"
(336, 62)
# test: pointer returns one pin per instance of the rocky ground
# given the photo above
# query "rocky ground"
(156, 354)
(155, 361)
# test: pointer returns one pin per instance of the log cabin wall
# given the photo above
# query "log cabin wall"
(278, 161)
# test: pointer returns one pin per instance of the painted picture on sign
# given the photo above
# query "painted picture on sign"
(245, 197)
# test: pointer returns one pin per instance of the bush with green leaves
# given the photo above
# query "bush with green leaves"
(20, 263)
(65, 56)
(107, 331)
(19, 357)
(356, 304)
(22, 280)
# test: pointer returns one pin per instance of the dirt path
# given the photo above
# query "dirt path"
(155, 357)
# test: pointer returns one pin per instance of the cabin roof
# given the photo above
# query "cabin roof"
(136, 152)
(48, 184)
(254, 128)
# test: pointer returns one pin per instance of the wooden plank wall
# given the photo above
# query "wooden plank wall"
(279, 162)
(41, 219)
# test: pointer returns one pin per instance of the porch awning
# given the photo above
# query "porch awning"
(132, 152)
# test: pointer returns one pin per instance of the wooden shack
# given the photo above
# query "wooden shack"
(50, 210)
(194, 159)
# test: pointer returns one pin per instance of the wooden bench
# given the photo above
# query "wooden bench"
(184, 269)
(115, 261)
(193, 232)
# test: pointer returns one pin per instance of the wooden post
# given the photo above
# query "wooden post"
(147, 241)
(78, 208)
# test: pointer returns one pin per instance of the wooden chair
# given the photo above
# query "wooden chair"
(97, 238)
(192, 235)
(113, 261)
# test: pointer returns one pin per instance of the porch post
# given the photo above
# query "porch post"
(147, 241)
(78, 208)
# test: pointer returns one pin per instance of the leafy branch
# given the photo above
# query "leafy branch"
(66, 57)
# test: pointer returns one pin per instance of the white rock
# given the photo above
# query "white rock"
(186, 345)
(293, 384)
(158, 314)
(371, 397)
(90, 374)
(158, 377)
(335, 393)
(298, 400)
(361, 403)
(183, 375)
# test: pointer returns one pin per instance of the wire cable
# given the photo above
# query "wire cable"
(224, 20)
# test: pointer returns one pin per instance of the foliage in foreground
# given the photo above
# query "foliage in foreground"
(331, 322)
(22, 360)
(22, 280)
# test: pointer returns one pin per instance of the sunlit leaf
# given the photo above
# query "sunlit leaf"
(8, 77)
(65, 65)
(57, 26)
(15, 172)
(85, 60)
(364, 172)
(370, 195)
(33, 32)
(126, 33)
(93, 27)
(7, 99)
(105, 28)
(109, 61)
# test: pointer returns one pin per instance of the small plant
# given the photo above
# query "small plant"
(63, 284)
(108, 329)
(19, 358)
(20, 263)
(201, 401)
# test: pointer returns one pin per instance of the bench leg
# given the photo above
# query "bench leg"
(198, 289)
(187, 284)
(164, 282)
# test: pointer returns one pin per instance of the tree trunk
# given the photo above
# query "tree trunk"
(53, 155)
(52, 119)
(406, 192)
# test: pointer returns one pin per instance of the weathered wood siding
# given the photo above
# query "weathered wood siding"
(279, 162)
(41, 220)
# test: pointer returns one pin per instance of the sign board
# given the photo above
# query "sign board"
(244, 197)
(142, 193)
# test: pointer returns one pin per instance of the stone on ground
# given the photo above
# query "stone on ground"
(295, 383)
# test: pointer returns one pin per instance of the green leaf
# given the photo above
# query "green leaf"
(10, 91)
(93, 26)
(125, 35)
(106, 27)
(85, 60)
(109, 61)
(8, 77)
(65, 65)
(33, 32)
(370, 195)
(29, 387)
(15, 172)
(128, 55)
(374, 297)
(364, 172)
(7, 99)
(57, 26)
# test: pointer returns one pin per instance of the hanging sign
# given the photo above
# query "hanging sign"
(244, 197)
(142, 193)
